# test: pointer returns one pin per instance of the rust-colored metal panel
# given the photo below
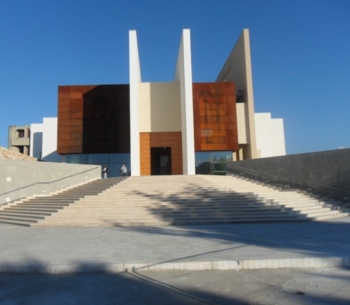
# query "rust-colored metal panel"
(215, 118)
(145, 154)
(96, 114)
(160, 139)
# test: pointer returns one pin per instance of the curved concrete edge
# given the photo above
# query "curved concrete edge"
(234, 265)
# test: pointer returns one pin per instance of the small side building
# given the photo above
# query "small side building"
(19, 139)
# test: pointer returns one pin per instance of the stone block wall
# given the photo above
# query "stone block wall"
(13, 155)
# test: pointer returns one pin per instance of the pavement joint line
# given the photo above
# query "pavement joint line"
(233, 265)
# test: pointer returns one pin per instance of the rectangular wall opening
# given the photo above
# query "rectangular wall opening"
(160, 160)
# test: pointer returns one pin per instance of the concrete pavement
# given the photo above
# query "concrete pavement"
(111, 265)
(268, 286)
(211, 247)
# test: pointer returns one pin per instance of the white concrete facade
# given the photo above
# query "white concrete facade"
(43, 141)
(183, 74)
(135, 80)
(269, 136)
(238, 69)
(241, 123)
(160, 107)
(36, 140)
(168, 107)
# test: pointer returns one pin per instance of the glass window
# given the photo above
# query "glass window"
(75, 158)
(114, 170)
(212, 163)
(221, 156)
(113, 161)
(202, 156)
(96, 158)
(202, 168)
(119, 158)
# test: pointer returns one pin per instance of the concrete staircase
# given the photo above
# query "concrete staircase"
(30, 211)
(312, 206)
(187, 200)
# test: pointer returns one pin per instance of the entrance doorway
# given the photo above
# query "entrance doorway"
(160, 160)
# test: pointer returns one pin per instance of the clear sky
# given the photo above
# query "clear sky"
(300, 55)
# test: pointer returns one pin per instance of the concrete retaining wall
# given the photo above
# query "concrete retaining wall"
(19, 179)
(327, 172)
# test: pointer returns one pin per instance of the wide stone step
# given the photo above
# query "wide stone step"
(22, 219)
(306, 207)
(23, 215)
(179, 202)
(193, 207)
(17, 212)
(178, 222)
(319, 213)
(43, 204)
(162, 211)
(324, 217)
(39, 200)
(16, 222)
(15, 208)
(174, 200)
(43, 207)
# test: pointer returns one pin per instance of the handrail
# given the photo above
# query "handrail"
(284, 178)
(53, 181)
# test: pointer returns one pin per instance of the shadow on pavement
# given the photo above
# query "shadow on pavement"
(181, 287)
(321, 238)
(84, 287)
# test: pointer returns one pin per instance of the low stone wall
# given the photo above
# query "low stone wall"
(20, 179)
(14, 155)
(326, 173)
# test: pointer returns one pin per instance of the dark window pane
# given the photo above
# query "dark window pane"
(221, 156)
(202, 156)
(119, 158)
(97, 158)
(202, 168)
(75, 158)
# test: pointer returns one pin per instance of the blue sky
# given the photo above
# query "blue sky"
(300, 55)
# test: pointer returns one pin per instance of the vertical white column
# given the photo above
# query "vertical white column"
(183, 75)
(135, 80)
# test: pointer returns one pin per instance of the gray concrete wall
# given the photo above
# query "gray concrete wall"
(326, 172)
(19, 178)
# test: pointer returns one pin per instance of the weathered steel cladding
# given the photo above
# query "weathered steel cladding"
(215, 118)
(93, 119)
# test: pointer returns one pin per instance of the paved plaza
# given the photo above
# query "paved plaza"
(211, 264)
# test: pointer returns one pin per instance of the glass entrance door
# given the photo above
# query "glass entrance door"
(160, 160)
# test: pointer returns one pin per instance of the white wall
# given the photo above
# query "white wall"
(238, 69)
(183, 75)
(160, 107)
(270, 139)
(49, 152)
(241, 123)
(134, 80)
(36, 140)
(43, 141)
